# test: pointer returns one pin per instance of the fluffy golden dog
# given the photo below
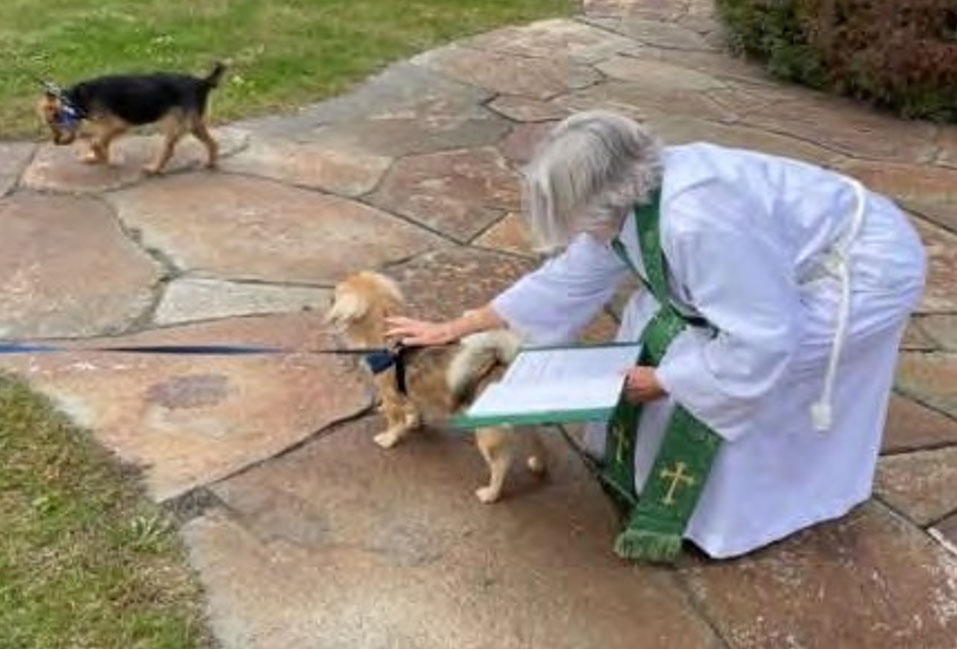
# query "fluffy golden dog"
(439, 381)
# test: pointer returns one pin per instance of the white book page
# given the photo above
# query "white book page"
(556, 380)
(587, 394)
(572, 364)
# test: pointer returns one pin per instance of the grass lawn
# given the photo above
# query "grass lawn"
(284, 52)
(85, 559)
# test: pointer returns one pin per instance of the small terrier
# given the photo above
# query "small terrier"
(113, 104)
(436, 382)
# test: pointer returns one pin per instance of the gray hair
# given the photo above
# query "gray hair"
(585, 176)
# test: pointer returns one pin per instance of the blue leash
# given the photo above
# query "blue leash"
(7, 348)
(379, 359)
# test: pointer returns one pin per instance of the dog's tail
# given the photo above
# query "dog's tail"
(477, 355)
(215, 75)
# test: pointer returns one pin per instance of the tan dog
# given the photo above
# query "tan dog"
(440, 381)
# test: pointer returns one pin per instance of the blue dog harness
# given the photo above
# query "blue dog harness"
(382, 360)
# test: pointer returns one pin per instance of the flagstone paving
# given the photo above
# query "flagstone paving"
(304, 532)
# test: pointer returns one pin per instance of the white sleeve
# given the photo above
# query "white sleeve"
(553, 304)
(741, 283)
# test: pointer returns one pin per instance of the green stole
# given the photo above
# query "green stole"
(658, 518)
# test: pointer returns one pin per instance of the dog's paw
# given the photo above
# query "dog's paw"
(92, 158)
(535, 465)
(387, 439)
(487, 495)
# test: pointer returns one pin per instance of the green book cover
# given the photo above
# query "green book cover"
(554, 385)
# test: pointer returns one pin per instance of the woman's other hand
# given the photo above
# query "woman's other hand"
(642, 385)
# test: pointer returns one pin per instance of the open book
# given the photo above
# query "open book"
(555, 385)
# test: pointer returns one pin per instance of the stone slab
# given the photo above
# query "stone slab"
(67, 269)
(643, 103)
(943, 215)
(942, 329)
(402, 90)
(406, 109)
(721, 65)
(520, 144)
(191, 420)
(947, 141)
(907, 182)
(14, 157)
(701, 8)
(922, 485)
(832, 122)
(193, 299)
(663, 10)
(345, 171)
(342, 544)
(916, 339)
(444, 283)
(940, 291)
(946, 532)
(537, 78)
(558, 37)
(459, 193)
(712, 30)
(682, 130)
(231, 227)
(868, 580)
(190, 153)
(911, 426)
(414, 133)
(523, 109)
(509, 235)
(658, 74)
(653, 32)
(60, 169)
(930, 379)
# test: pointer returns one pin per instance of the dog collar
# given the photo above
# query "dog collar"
(383, 359)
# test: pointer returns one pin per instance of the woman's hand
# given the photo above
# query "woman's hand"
(424, 333)
(641, 385)
(420, 332)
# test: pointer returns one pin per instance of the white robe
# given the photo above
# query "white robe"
(743, 234)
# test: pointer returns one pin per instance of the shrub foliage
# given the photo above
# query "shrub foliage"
(898, 54)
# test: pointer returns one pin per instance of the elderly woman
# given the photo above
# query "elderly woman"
(788, 287)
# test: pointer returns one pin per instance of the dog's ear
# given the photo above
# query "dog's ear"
(347, 307)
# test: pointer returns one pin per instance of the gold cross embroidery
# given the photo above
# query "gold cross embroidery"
(677, 476)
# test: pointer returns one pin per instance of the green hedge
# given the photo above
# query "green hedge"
(898, 54)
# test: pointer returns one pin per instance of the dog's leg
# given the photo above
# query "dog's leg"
(495, 446)
(400, 413)
(212, 149)
(98, 153)
(172, 130)
(106, 139)
(401, 418)
(536, 459)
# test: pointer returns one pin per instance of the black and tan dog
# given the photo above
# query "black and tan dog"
(111, 105)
